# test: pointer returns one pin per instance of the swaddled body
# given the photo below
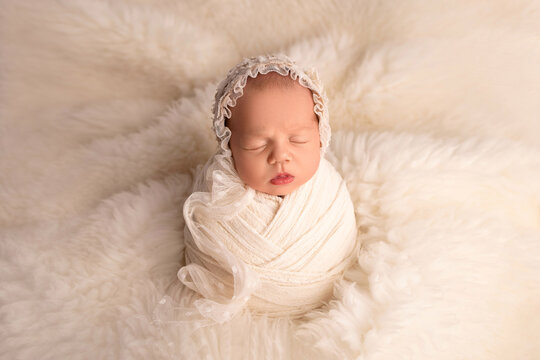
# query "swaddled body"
(297, 246)
(270, 225)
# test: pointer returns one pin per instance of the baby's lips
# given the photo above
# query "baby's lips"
(282, 175)
(282, 179)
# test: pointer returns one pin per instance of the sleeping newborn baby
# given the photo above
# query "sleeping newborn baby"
(270, 224)
(275, 139)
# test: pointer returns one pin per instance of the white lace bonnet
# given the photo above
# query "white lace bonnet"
(231, 88)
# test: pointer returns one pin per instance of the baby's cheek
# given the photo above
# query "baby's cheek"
(315, 160)
(242, 168)
(245, 168)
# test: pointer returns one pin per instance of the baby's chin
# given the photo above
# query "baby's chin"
(279, 190)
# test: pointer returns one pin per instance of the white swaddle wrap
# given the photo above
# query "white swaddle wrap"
(274, 255)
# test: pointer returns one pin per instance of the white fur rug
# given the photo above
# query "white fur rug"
(105, 109)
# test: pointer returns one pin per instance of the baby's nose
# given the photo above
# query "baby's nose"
(279, 154)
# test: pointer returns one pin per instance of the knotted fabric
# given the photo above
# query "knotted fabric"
(245, 249)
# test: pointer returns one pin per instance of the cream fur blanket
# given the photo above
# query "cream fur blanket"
(105, 109)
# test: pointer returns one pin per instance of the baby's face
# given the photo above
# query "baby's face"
(275, 138)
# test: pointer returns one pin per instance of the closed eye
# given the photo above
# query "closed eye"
(255, 148)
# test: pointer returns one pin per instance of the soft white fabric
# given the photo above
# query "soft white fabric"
(283, 263)
(105, 107)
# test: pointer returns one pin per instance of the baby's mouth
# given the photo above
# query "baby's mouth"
(282, 178)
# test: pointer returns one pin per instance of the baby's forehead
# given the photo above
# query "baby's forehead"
(258, 93)
(274, 81)
(271, 79)
(270, 97)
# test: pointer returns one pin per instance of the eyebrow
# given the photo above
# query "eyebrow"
(259, 132)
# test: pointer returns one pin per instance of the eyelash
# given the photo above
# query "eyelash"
(262, 146)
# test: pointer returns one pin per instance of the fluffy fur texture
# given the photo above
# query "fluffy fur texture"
(105, 109)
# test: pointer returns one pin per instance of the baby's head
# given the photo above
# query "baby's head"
(271, 120)
(275, 140)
